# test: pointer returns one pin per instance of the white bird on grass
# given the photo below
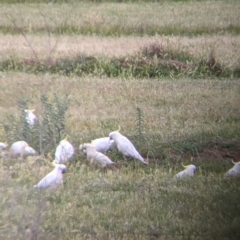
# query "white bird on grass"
(125, 146)
(102, 144)
(30, 117)
(3, 146)
(54, 178)
(189, 171)
(21, 148)
(64, 152)
(234, 171)
(96, 157)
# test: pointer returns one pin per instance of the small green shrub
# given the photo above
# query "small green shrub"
(49, 129)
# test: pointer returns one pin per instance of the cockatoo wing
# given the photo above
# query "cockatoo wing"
(234, 171)
(189, 171)
(49, 180)
(103, 159)
(231, 173)
(52, 179)
(180, 174)
(102, 144)
(64, 152)
(127, 148)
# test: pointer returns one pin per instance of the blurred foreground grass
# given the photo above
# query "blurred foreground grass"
(135, 202)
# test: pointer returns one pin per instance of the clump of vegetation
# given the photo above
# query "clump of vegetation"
(152, 61)
(140, 120)
(45, 134)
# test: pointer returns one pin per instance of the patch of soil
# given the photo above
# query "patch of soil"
(219, 152)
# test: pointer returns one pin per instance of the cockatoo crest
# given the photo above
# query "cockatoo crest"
(188, 166)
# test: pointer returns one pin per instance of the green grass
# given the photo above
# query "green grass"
(176, 97)
(136, 202)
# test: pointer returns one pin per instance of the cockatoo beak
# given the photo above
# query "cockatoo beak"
(63, 171)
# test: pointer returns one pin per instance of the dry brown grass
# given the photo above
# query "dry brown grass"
(226, 48)
(188, 15)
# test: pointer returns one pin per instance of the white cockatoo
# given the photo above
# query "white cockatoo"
(102, 144)
(125, 146)
(64, 151)
(30, 117)
(94, 156)
(234, 171)
(21, 148)
(54, 178)
(3, 146)
(189, 171)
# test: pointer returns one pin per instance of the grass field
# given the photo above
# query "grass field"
(168, 73)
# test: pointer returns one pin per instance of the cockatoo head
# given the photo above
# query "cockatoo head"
(190, 168)
(3, 146)
(60, 167)
(29, 151)
(65, 140)
(86, 146)
(236, 165)
(115, 134)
